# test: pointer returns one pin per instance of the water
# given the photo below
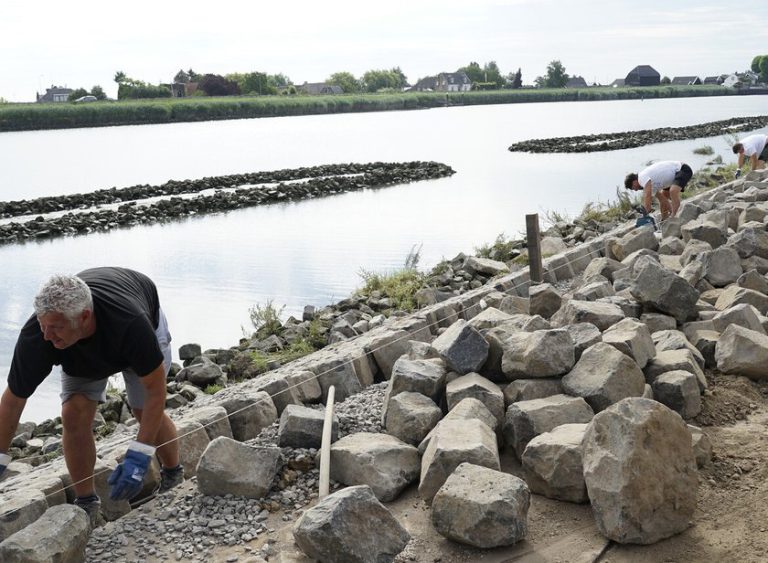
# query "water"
(210, 270)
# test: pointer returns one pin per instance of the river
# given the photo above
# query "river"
(211, 269)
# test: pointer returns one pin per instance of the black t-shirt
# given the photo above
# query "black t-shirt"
(126, 309)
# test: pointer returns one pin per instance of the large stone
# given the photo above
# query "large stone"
(750, 242)
(489, 318)
(202, 374)
(411, 416)
(527, 419)
(743, 315)
(642, 482)
(543, 353)
(455, 442)
(19, 509)
(462, 347)
(229, 467)
(305, 386)
(214, 419)
(388, 347)
(475, 386)
(752, 279)
(337, 371)
(553, 465)
(602, 315)
(604, 376)
(302, 427)
(583, 335)
(249, 413)
(631, 337)
(671, 360)
(742, 351)
(602, 266)
(702, 447)
(383, 462)
(722, 266)
(594, 290)
(679, 390)
(482, 507)
(277, 387)
(666, 340)
(634, 240)
(705, 341)
(664, 291)
(350, 526)
(193, 439)
(711, 231)
(485, 266)
(734, 295)
(416, 376)
(59, 535)
(528, 389)
(467, 409)
(545, 300)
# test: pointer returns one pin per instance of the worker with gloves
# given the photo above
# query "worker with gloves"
(95, 324)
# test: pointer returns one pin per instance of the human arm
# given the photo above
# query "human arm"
(154, 405)
(740, 161)
(752, 162)
(11, 408)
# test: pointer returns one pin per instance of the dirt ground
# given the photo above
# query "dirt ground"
(730, 524)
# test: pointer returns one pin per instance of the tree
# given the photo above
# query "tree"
(375, 80)
(98, 92)
(120, 76)
(755, 66)
(516, 79)
(763, 66)
(193, 76)
(278, 81)
(77, 93)
(666, 80)
(473, 72)
(492, 73)
(555, 77)
(346, 80)
(252, 83)
(181, 77)
(217, 85)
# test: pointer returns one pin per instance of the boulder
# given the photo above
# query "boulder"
(631, 337)
(670, 360)
(642, 483)
(214, 419)
(664, 291)
(545, 300)
(203, 374)
(679, 390)
(384, 463)
(19, 509)
(60, 534)
(542, 353)
(666, 340)
(604, 376)
(528, 389)
(193, 439)
(705, 341)
(594, 290)
(734, 295)
(489, 318)
(752, 279)
(658, 321)
(410, 416)
(602, 266)
(750, 242)
(743, 352)
(350, 525)
(189, 351)
(602, 315)
(583, 335)
(722, 266)
(553, 465)
(634, 240)
(702, 447)
(229, 467)
(302, 427)
(482, 507)
(467, 409)
(743, 315)
(249, 413)
(475, 386)
(462, 347)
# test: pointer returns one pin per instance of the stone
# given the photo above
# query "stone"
(671, 245)
(482, 507)
(705, 341)
(527, 389)
(722, 266)
(604, 376)
(19, 509)
(642, 483)
(476, 386)
(664, 291)
(305, 386)
(189, 351)
(545, 300)
(202, 374)
(702, 447)
(752, 279)
(229, 467)
(452, 443)
(635, 239)
(467, 409)
(527, 419)
(666, 340)
(694, 250)
(387, 348)
(337, 371)
(489, 318)
(410, 416)
(679, 390)
(276, 386)
(214, 419)
(60, 534)
(712, 232)
(631, 337)
(553, 465)
(658, 321)
(302, 427)
(602, 266)
(485, 266)
(594, 290)
(249, 413)
(743, 315)
(383, 462)
(583, 335)
(743, 352)
(350, 525)
(735, 295)
(750, 242)
(417, 376)
(542, 353)
(193, 439)
(602, 315)
(670, 360)
(462, 348)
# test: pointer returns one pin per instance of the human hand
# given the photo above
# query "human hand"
(738, 172)
(5, 459)
(128, 477)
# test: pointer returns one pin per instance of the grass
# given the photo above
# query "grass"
(705, 150)
(31, 116)
(612, 210)
(502, 249)
(212, 389)
(266, 319)
(400, 286)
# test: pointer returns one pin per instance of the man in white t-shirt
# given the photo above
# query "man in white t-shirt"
(755, 147)
(665, 179)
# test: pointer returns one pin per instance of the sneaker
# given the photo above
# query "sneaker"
(170, 478)
(92, 506)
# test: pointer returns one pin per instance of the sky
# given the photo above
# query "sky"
(83, 43)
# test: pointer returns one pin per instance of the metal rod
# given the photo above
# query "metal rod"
(325, 446)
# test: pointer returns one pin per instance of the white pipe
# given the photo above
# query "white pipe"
(325, 447)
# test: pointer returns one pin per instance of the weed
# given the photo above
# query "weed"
(259, 361)
(705, 150)
(502, 249)
(266, 319)
(611, 210)
(552, 217)
(400, 286)
(212, 389)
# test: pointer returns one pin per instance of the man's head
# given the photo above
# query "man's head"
(738, 148)
(64, 309)
(630, 182)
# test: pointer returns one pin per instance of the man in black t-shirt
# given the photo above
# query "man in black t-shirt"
(95, 324)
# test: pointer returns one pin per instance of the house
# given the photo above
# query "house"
(55, 94)
(732, 81)
(686, 81)
(576, 82)
(319, 88)
(453, 82)
(713, 80)
(643, 75)
(427, 84)
(617, 83)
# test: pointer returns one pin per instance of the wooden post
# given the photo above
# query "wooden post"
(534, 247)
(325, 447)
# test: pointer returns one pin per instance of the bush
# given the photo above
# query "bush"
(266, 319)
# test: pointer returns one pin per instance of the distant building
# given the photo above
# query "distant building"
(617, 83)
(576, 82)
(686, 81)
(55, 94)
(732, 81)
(426, 84)
(319, 88)
(643, 75)
(717, 80)
(453, 82)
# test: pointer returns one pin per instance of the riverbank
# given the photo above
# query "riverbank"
(33, 116)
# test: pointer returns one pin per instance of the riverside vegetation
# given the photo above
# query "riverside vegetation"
(33, 116)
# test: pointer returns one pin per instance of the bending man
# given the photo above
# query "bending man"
(97, 323)
(665, 179)
(754, 147)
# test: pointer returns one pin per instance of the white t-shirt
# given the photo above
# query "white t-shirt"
(754, 144)
(661, 174)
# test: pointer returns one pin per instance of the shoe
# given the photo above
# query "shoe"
(92, 506)
(170, 478)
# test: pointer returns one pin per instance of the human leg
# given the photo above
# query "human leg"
(77, 415)
(674, 196)
(664, 204)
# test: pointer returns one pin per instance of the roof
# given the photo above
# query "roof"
(576, 82)
(617, 82)
(320, 88)
(685, 80)
(426, 83)
(644, 70)
(459, 77)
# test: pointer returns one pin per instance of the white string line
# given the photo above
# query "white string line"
(597, 251)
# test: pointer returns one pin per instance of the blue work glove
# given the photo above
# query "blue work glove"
(5, 459)
(738, 172)
(128, 477)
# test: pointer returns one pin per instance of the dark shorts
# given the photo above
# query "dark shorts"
(682, 177)
(764, 155)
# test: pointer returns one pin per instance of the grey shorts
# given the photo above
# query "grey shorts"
(96, 389)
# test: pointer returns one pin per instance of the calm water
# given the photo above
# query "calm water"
(211, 269)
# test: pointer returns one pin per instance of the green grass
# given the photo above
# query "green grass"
(31, 116)
(705, 150)
(502, 249)
(611, 210)
(212, 389)
(400, 286)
